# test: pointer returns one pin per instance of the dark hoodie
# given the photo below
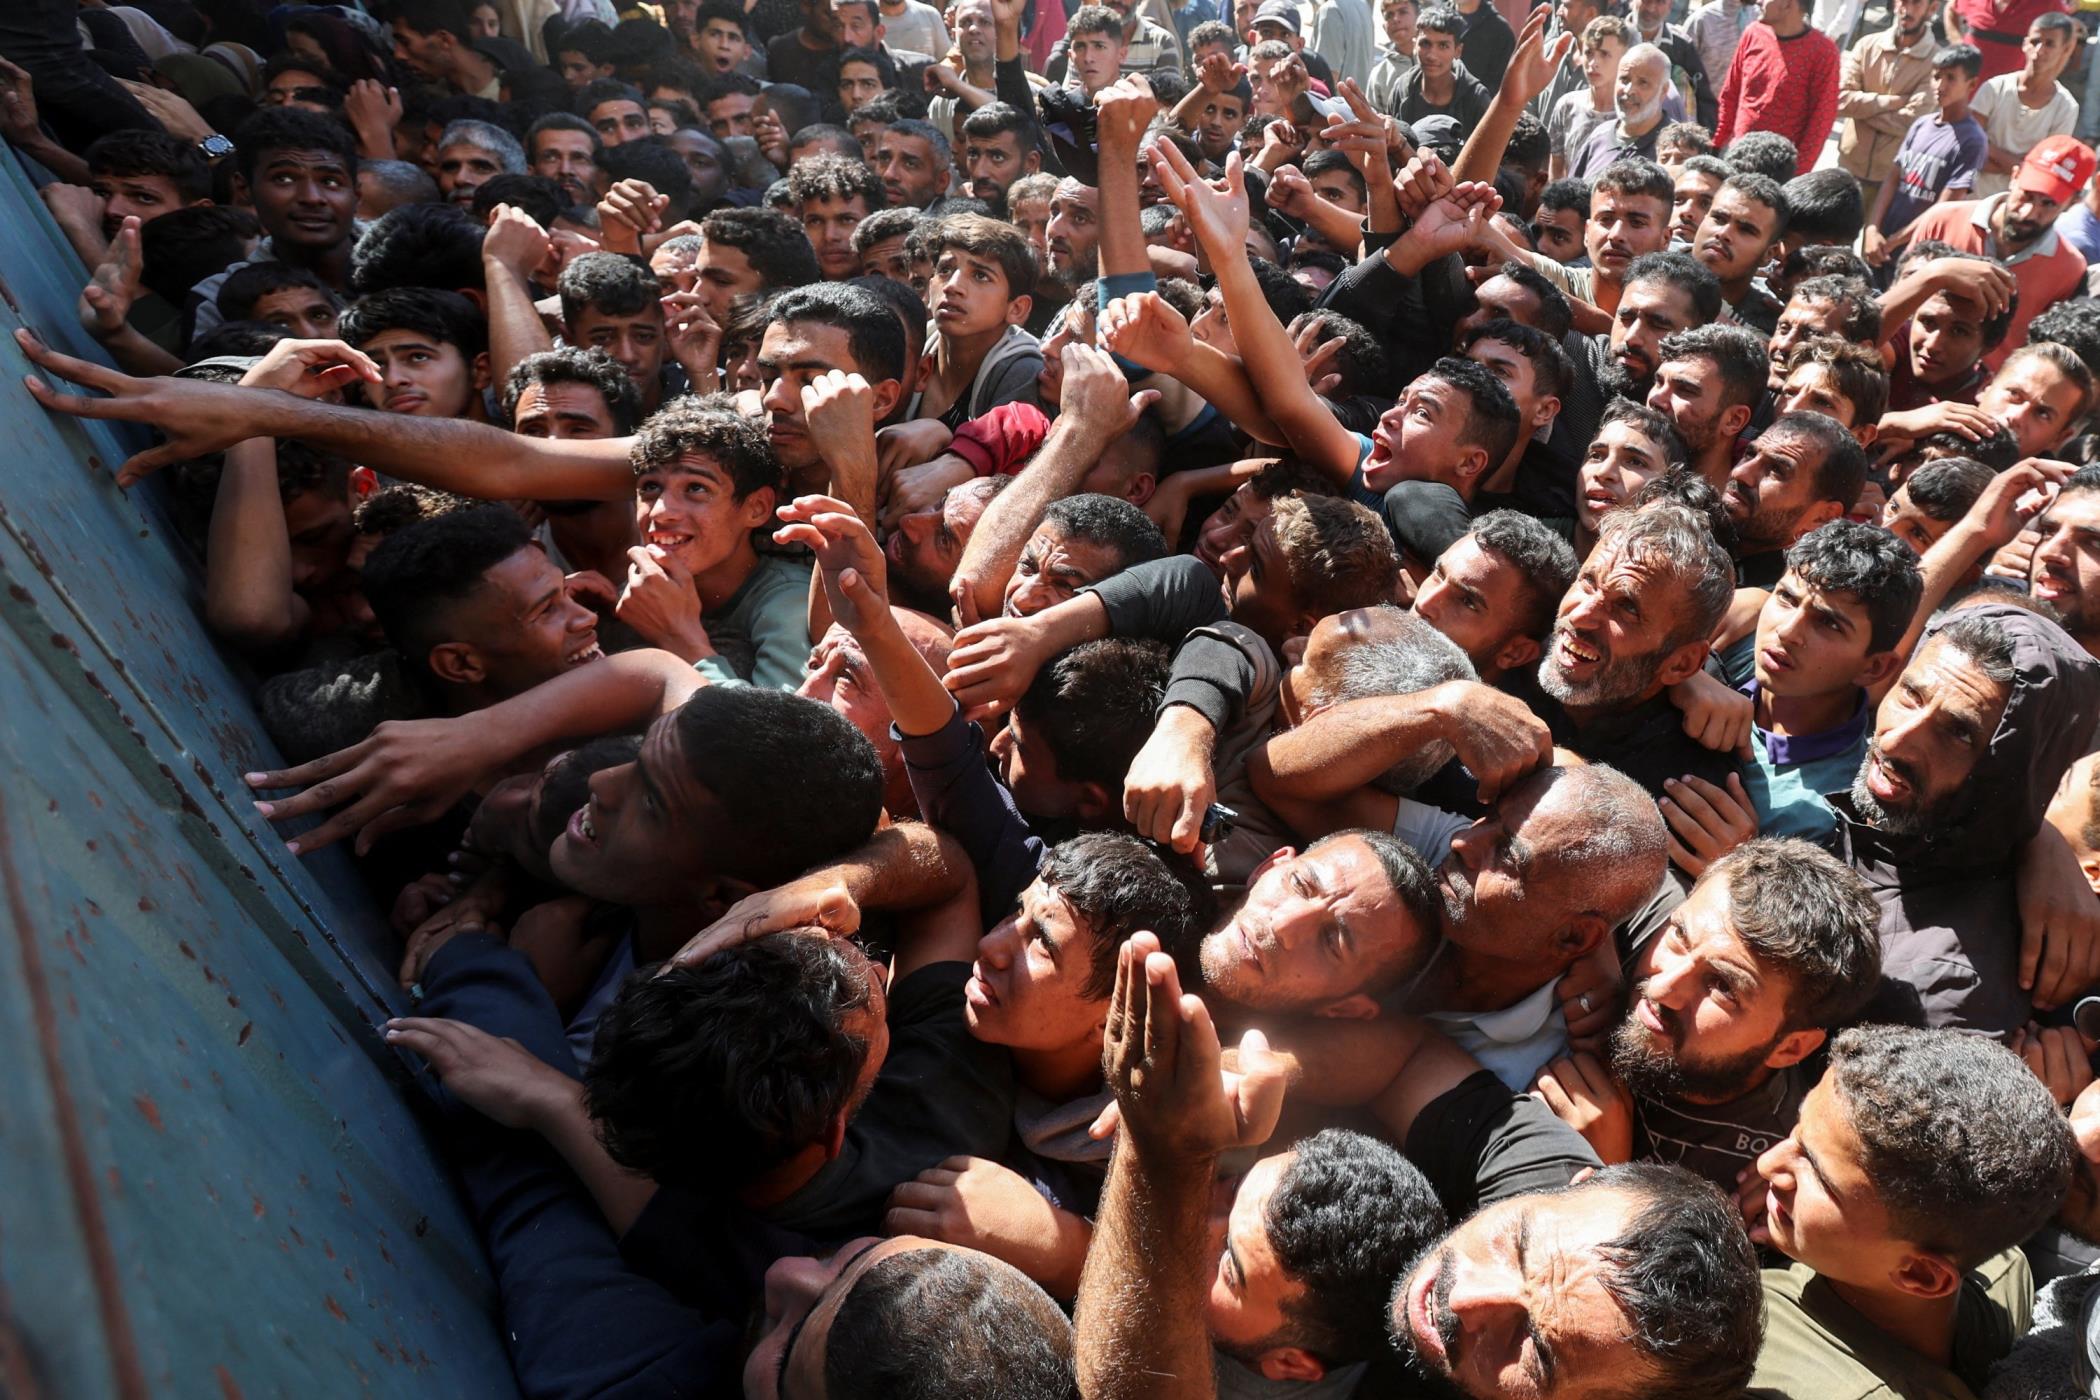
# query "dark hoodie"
(1950, 924)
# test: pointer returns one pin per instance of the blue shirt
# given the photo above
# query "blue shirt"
(1789, 774)
(1936, 155)
(2078, 227)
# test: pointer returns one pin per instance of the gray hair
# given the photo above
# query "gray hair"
(1404, 655)
(486, 136)
(1674, 540)
(1623, 851)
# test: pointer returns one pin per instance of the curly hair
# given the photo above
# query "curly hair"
(709, 427)
(1337, 554)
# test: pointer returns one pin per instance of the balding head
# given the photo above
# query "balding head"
(1644, 79)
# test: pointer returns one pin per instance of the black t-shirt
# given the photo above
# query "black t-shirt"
(1481, 1143)
(788, 61)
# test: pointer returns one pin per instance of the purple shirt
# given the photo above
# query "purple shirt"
(1936, 155)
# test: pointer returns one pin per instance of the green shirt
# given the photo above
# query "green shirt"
(772, 609)
(1817, 1347)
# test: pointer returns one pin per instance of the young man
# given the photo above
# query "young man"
(915, 162)
(721, 37)
(139, 174)
(1748, 216)
(431, 348)
(831, 197)
(611, 302)
(615, 110)
(1440, 84)
(1495, 593)
(566, 150)
(1829, 375)
(1096, 47)
(1709, 383)
(1805, 470)
(1939, 351)
(300, 170)
(1580, 112)
(584, 54)
(1939, 160)
(1000, 146)
(1830, 305)
(2066, 569)
(1083, 539)
(1562, 220)
(1634, 445)
(879, 242)
(1884, 84)
(982, 290)
(280, 295)
(1919, 1164)
(435, 40)
(1931, 499)
(1783, 79)
(1775, 948)
(750, 250)
(572, 394)
(2021, 110)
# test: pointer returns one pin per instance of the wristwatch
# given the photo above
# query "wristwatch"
(214, 147)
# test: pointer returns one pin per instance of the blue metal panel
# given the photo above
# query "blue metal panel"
(211, 1180)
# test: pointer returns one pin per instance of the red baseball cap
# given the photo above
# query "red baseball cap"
(2056, 169)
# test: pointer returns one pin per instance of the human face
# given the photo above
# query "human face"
(1901, 517)
(1250, 1291)
(1621, 460)
(837, 675)
(1096, 59)
(2024, 217)
(1637, 92)
(1502, 886)
(2066, 569)
(722, 45)
(913, 173)
(305, 199)
(1519, 1282)
(1783, 15)
(1074, 231)
(1613, 633)
(1648, 312)
(1028, 767)
(1820, 1204)
(1813, 388)
(463, 169)
(1053, 568)
(859, 82)
(724, 274)
(729, 115)
(858, 26)
(1417, 439)
(994, 162)
(689, 511)
(635, 342)
(422, 376)
(1317, 926)
(830, 222)
(706, 162)
(1219, 123)
(648, 824)
(1622, 227)
(621, 119)
(1472, 595)
(524, 626)
(1032, 217)
(968, 294)
(1946, 339)
(427, 55)
(1951, 85)
(306, 313)
(1933, 727)
(142, 197)
(577, 70)
(927, 544)
(1600, 65)
(1772, 489)
(976, 33)
(1800, 320)
(1398, 16)
(1517, 374)
(1911, 18)
(1688, 392)
(296, 87)
(2034, 400)
(319, 526)
(1560, 234)
(1810, 641)
(1695, 197)
(792, 355)
(887, 259)
(2047, 52)
(802, 1298)
(1435, 52)
(1707, 1014)
(1266, 89)
(1029, 987)
(1737, 234)
(564, 410)
(570, 159)
(1229, 527)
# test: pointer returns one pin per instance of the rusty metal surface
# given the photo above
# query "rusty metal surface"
(211, 1179)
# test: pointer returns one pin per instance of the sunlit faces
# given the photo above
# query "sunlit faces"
(792, 356)
(970, 297)
(858, 25)
(565, 409)
(1772, 490)
(569, 158)
(1648, 312)
(424, 376)
(519, 627)
(1801, 319)
(1031, 987)
(305, 199)
(1219, 122)
(1229, 526)
(1813, 388)
(1474, 596)
(1614, 631)
(829, 221)
(992, 163)
(1619, 461)
(619, 119)
(1736, 235)
(1309, 661)
(1637, 93)
(307, 312)
(1500, 298)
(635, 842)
(1250, 1290)
(724, 272)
(1903, 518)
(1600, 63)
(2024, 217)
(635, 342)
(1560, 233)
(2035, 401)
(1695, 191)
(1622, 227)
(1810, 641)
(1435, 52)
(1073, 233)
(689, 511)
(2066, 569)
(1933, 727)
(1317, 927)
(1096, 58)
(1820, 1203)
(2048, 51)
(1946, 339)
(860, 82)
(1688, 391)
(1052, 568)
(888, 258)
(976, 32)
(913, 172)
(1518, 375)
(1032, 217)
(927, 544)
(1418, 438)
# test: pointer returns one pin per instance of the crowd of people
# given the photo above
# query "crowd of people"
(1150, 699)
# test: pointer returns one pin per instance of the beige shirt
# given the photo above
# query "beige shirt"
(2014, 126)
(1882, 89)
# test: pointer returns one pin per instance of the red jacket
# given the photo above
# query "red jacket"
(1789, 86)
(1001, 442)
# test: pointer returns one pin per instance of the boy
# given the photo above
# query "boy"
(1562, 218)
(982, 289)
(1932, 498)
(431, 348)
(864, 75)
(1096, 48)
(1828, 375)
(721, 37)
(139, 173)
(281, 295)
(1829, 633)
(704, 480)
(832, 196)
(611, 302)
(1918, 1165)
(1940, 157)
(1940, 351)
(1578, 113)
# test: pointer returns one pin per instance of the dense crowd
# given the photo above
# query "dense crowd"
(1162, 700)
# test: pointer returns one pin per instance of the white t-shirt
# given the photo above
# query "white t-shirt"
(2016, 127)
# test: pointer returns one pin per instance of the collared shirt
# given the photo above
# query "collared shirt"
(1516, 1042)
(1882, 89)
(2047, 271)
(1788, 774)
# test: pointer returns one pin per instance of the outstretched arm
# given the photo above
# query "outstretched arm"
(1146, 330)
(1530, 72)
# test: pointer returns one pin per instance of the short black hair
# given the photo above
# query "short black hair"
(1637, 177)
(933, 1324)
(1530, 146)
(1946, 487)
(723, 10)
(1119, 885)
(614, 284)
(1285, 294)
(251, 282)
(419, 245)
(1492, 421)
(1322, 161)
(712, 428)
(1546, 561)
(773, 242)
(564, 121)
(1862, 321)
(1966, 57)
(600, 91)
(1826, 206)
(1362, 361)
(995, 119)
(593, 38)
(1556, 316)
(1650, 423)
(1997, 449)
(419, 572)
(570, 364)
(1687, 133)
(2075, 325)
(1566, 194)
(1346, 1218)
(291, 129)
(1798, 908)
(1842, 473)
(1094, 706)
(184, 246)
(1764, 152)
(435, 17)
(443, 316)
(1683, 272)
(1764, 190)
(136, 153)
(1551, 369)
(872, 333)
(1964, 1146)
(1866, 561)
(1115, 525)
(1737, 352)
(535, 196)
(708, 1076)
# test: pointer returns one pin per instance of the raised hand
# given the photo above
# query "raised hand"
(1452, 222)
(1219, 73)
(516, 241)
(105, 302)
(1171, 784)
(1422, 182)
(1096, 395)
(1122, 112)
(630, 209)
(1216, 210)
(1146, 329)
(1533, 63)
(840, 409)
(992, 665)
(694, 338)
(311, 368)
(851, 564)
(407, 772)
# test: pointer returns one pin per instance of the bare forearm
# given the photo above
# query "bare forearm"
(919, 704)
(906, 866)
(248, 595)
(1122, 240)
(1482, 155)
(1334, 223)
(135, 354)
(1002, 531)
(621, 1194)
(1272, 362)
(1222, 382)
(515, 328)
(621, 693)
(1139, 1331)
(1344, 748)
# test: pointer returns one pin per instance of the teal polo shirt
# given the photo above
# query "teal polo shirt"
(1789, 774)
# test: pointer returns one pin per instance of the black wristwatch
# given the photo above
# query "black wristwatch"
(215, 146)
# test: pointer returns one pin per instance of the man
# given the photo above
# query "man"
(1496, 591)
(1747, 217)
(615, 111)
(611, 303)
(1784, 79)
(578, 394)
(750, 250)
(301, 172)
(831, 196)
(1485, 46)
(1884, 84)
(1775, 948)
(1803, 471)
(1708, 384)
(1687, 68)
(1997, 30)
(2066, 569)
(2021, 110)
(1839, 306)
(470, 154)
(1439, 84)
(1000, 146)
(435, 41)
(1665, 293)
(915, 164)
(1073, 236)
(1698, 181)
(1919, 1164)
(566, 149)
(1637, 101)
(1967, 746)
(2018, 228)
(2041, 394)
